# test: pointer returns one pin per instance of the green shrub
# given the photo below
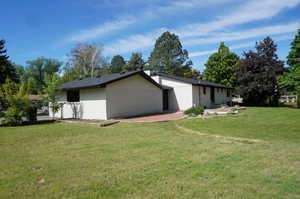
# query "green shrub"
(13, 116)
(196, 110)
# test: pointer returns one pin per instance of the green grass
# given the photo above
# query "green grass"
(156, 160)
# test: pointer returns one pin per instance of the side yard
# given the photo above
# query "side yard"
(190, 158)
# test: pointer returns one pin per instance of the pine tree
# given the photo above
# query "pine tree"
(7, 69)
(291, 79)
(136, 62)
(168, 56)
(222, 66)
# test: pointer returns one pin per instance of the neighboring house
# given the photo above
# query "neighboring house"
(288, 98)
(136, 93)
(184, 93)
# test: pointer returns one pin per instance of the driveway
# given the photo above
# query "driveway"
(156, 118)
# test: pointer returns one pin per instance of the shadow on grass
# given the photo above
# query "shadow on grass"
(26, 123)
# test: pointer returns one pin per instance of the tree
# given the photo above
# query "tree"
(258, 75)
(222, 67)
(117, 64)
(86, 60)
(50, 89)
(168, 56)
(15, 95)
(7, 69)
(38, 69)
(290, 80)
(136, 62)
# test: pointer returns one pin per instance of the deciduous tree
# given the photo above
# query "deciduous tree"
(258, 75)
(117, 64)
(222, 67)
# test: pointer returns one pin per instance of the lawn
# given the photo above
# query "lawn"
(251, 155)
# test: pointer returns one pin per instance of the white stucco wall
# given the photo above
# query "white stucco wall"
(181, 96)
(133, 96)
(201, 99)
(92, 104)
(221, 96)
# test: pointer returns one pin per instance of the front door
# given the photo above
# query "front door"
(212, 94)
(165, 99)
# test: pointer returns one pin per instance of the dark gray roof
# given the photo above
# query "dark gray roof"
(191, 80)
(102, 81)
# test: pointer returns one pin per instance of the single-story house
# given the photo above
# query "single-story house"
(136, 93)
(185, 93)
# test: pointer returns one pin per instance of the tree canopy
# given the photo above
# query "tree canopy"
(135, 62)
(291, 79)
(86, 60)
(258, 75)
(117, 64)
(168, 56)
(37, 69)
(222, 67)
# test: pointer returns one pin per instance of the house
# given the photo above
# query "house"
(136, 93)
(288, 99)
(183, 93)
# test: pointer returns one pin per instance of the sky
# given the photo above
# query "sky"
(36, 28)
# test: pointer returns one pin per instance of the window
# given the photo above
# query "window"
(73, 96)
(228, 92)
(204, 90)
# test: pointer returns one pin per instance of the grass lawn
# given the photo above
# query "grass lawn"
(255, 154)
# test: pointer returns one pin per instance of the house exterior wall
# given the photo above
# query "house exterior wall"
(200, 98)
(221, 96)
(132, 96)
(92, 105)
(181, 96)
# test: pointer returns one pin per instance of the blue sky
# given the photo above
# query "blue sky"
(35, 28)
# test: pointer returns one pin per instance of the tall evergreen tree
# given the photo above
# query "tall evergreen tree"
(168, 56)
(258, 75)
(291, 79)
(117, 64)
(7, 69)
(222, 66)
(135, 62)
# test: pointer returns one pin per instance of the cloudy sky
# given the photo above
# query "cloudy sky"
(35, 28)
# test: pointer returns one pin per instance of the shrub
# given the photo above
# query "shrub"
(13, 116)
(196, 110)
(17, 101)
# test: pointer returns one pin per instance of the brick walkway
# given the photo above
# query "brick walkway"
(156, 118)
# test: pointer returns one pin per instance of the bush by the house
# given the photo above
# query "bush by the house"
(17, 100)
(196, 110)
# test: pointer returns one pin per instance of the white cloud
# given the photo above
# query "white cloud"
(248, 12)
(133, 43)
(245, 34)
(101, 30)
(238, 46)
(147, 14)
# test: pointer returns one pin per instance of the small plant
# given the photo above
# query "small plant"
(196, 110)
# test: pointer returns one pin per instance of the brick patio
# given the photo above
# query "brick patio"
(156, 118)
